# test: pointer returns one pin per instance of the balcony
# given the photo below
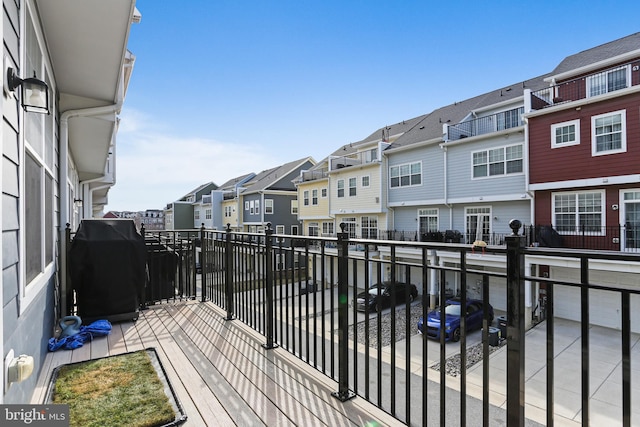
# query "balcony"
(593, 85)
(245, 345)
(485, 125)
(313, 175)
(355, 159)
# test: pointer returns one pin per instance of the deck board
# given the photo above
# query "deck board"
(221, 373)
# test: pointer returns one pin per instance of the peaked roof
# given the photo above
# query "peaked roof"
(233, 182)
(197, 190)
(599, 53)
(430, 126)
(269, 177)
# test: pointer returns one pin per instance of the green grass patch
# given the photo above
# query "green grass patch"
(114, 391)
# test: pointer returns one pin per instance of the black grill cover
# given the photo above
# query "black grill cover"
(107, 262)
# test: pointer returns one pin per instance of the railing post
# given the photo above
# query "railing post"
(269, 287)
(228, 270)
(143, 297)
(66, 291)
(203, 257)
(343, 393)
(515, 326)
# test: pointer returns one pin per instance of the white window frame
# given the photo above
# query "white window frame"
(29, 291)
(246, 205)
(294, 207)
(366, 181)
(252, 207)
(268, 206)
(314, 197)
(328, 229)
(257, 207)
(485, 224)
(429, 213)
(323, 193)
(395, 172)
(576, 196)
(279, 229)
(207, 214)
(504, 161)
(196, 214)
(305, 197)
(353, 187)
(350, 226)
(369, 227)
(340, 186)
(555, 127)
(623, 133)
(313, 229)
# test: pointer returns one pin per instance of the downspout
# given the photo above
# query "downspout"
(64, 169)
(445, 183)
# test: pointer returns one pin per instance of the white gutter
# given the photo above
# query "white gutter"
(445, 182)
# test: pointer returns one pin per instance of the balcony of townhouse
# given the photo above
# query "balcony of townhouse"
(245, 343)
(485, 125)
(353, 159)
(589, 86)
(313, 175)
(230, 195)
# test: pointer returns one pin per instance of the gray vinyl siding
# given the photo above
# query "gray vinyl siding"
(27, 332)
(460, 171)
(431, 188)
(281, 212)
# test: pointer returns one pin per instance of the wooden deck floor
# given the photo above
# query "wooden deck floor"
(222, 374)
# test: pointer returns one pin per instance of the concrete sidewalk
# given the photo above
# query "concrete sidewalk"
(605, 374)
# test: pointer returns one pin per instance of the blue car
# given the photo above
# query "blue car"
(475, 314)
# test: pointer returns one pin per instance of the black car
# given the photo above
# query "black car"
(379, 296)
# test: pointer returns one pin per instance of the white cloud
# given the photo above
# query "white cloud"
(155, 167)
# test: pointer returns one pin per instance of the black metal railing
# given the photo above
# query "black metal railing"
(487, 124)
(302, 298)
(583, 87)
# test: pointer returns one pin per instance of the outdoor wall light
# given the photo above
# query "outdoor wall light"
(35, 92)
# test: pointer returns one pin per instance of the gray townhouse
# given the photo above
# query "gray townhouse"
(190, 210)
(271, 197)
(224, 212)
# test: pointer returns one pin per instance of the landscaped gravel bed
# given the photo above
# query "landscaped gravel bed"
(452, 364)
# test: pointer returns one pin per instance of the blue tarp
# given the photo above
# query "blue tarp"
(87, 333)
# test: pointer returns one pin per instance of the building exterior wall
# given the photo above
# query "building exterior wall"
(27, 283)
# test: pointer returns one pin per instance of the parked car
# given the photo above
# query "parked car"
(475, 314)
(379, 296)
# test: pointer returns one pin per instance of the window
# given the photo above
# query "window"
(428, 220)
(478, 222)
(196, 214)
(207, 214)
(341, 188)
(305, 198)
(246, 206)
(350, 226)
(327, 229)
(365, 181)
(498, 161)
(268, 206)
(578, 212)
(565, 134)
(37, 194)
(369, 227)
(227, 211)
(323, 193)
(294, 230)
(279, 229)
(257, 207)
(608, 81)
(608, 133)
(352, 186)
(252, 208)
(294, 207)
(314, 197)
(313, 229)
(406, 175)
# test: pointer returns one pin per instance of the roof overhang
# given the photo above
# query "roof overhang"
(87, 45)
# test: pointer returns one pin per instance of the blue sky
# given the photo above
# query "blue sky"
(227, 87)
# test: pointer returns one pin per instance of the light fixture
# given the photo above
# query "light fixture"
(35, 92)
(77, 203)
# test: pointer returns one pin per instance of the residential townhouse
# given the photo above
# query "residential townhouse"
(584, 161)
(346, 188)
(271, 197)
(226, 208)
(56, 167)
(190, 210)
